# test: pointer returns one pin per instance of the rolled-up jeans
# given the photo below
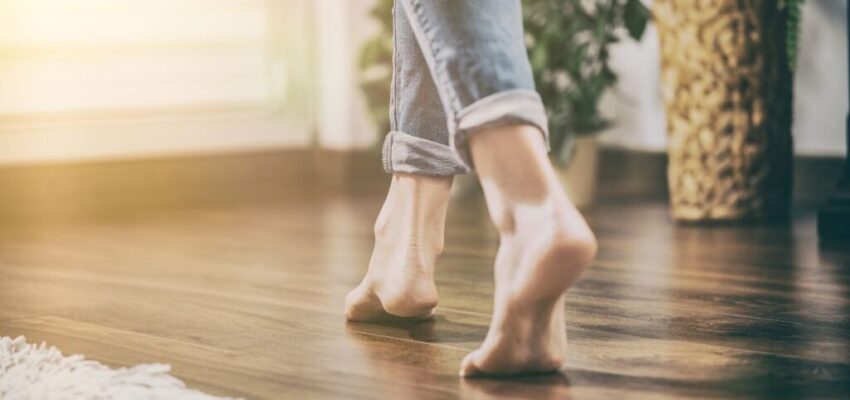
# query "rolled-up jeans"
(458, 66)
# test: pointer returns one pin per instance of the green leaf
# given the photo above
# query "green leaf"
(635, 18)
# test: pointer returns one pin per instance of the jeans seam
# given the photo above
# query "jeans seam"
(387, 152)
(418, 22)
(394, 82)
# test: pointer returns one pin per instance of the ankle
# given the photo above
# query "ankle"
(414, 214)
(554, 230)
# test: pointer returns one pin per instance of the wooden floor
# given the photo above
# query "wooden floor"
(247, 301)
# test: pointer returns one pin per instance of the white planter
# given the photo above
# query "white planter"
(579, 176)
(465, 186)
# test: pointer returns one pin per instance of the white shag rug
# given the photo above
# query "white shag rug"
(30, 372)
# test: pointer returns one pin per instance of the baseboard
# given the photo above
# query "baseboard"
(113, 188)
(57, 192)
(631, 175)
(627, 174)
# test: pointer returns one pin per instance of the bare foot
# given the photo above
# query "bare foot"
(545, 245)
(408, 239)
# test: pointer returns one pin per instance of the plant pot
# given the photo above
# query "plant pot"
(728, 95)
(579, 175)
(465, 186)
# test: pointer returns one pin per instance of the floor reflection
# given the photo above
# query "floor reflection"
(541, 387)
(406, 366)
(402, 368)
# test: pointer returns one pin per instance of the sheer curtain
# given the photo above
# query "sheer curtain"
(88, 79)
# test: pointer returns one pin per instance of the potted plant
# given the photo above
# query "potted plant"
(727, 84)
(568, 43)
(376, 65)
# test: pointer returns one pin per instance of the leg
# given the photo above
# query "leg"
(477, 57)
(409, 229)
(545, 245)
(408, 240)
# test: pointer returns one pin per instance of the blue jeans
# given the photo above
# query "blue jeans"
(458, 66)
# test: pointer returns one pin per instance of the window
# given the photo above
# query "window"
(116, 78)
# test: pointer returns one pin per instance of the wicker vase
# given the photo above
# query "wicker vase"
(728, 94)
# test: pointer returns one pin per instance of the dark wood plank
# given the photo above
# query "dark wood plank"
(247, 299)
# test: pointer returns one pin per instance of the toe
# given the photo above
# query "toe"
(468, 367)
(361, 304)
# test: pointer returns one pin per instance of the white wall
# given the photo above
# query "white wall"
(635, 104)
(342, 26)
(821, 101)
(820, 104)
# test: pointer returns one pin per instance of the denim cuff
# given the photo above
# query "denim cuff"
(413, 155)
(509, 107)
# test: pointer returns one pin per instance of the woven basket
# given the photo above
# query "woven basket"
(728, 94)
